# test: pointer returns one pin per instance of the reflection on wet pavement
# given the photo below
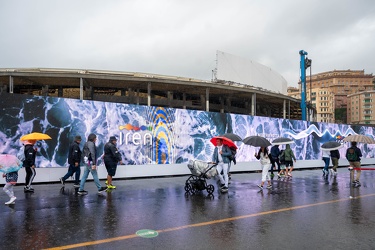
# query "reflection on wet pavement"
(302, 212)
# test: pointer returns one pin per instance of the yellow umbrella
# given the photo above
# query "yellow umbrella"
(35, 136)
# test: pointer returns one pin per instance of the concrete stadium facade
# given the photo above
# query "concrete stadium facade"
(150, 89)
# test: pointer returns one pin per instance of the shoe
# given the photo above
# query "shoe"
(106, 182)
(76, 185)
(290, 175)
(260, 186)
(357, 184)
(82, 192)
(224, 189)
(28, 190)
(102, 189)
(278, 176)
(269, 186)
(11, 201)
(62, 181)
(222, 185)
(111, 186)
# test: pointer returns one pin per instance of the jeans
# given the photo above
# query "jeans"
(73, 169)
(221, 166)
(94, 173)
(326, 162)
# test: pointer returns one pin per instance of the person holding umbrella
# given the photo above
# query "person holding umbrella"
(29, 164)
(265, 161)
(335, 156)
(221, 158)
(353, 155)
(289, 158)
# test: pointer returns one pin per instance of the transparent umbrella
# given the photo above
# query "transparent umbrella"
(9, 163)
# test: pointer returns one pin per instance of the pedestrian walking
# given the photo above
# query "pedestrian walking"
(111, 158)
(335, 156)
(10, 181)
(74, 160)
(265, 162)
(326, 158)
(353, 155)
(90, 159)
(289, 158)
(221, 158)
(275, 153)
(29, 164)
(283, 171)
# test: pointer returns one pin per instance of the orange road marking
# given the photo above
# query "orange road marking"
(125, 237)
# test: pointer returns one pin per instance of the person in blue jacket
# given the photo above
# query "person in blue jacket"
(221, 158)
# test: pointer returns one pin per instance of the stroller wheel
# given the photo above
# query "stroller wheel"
(210, 189)
(188, 187)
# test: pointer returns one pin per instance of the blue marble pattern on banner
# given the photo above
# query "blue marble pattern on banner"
(153, 135)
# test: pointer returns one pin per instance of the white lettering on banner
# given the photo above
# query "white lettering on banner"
(136, 138)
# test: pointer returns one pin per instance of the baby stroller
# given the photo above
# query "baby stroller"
(200, 171)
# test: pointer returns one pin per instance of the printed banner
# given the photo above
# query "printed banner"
(153, 135)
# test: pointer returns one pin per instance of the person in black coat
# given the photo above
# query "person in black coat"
(29, 164)
(74, 160)
(111, 158)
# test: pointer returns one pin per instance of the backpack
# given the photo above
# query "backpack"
(21, 154)
(352, 155)
(232, 157)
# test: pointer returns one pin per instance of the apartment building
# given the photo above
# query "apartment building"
(329, 91)
(361, 108)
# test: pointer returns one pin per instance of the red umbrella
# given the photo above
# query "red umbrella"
(225, 140)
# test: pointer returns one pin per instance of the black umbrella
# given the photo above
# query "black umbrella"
(256, 141)
(282, 141)
(232, 136)
(331, 145)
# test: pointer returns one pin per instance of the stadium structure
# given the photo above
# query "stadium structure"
(217, 95)
(150, 89)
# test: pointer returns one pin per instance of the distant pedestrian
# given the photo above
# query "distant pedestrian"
(10, 181)
(29, 164)
(335, 156)
(275, 153)
(283, 171)
(74, 160)
(111, 158)
(90, 159)
(265, 162)
(289, 158)
(326, 158)
(353, 155)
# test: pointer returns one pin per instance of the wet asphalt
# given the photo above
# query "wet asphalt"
(304, 212)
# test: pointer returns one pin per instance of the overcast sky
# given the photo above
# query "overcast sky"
(181, 37)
